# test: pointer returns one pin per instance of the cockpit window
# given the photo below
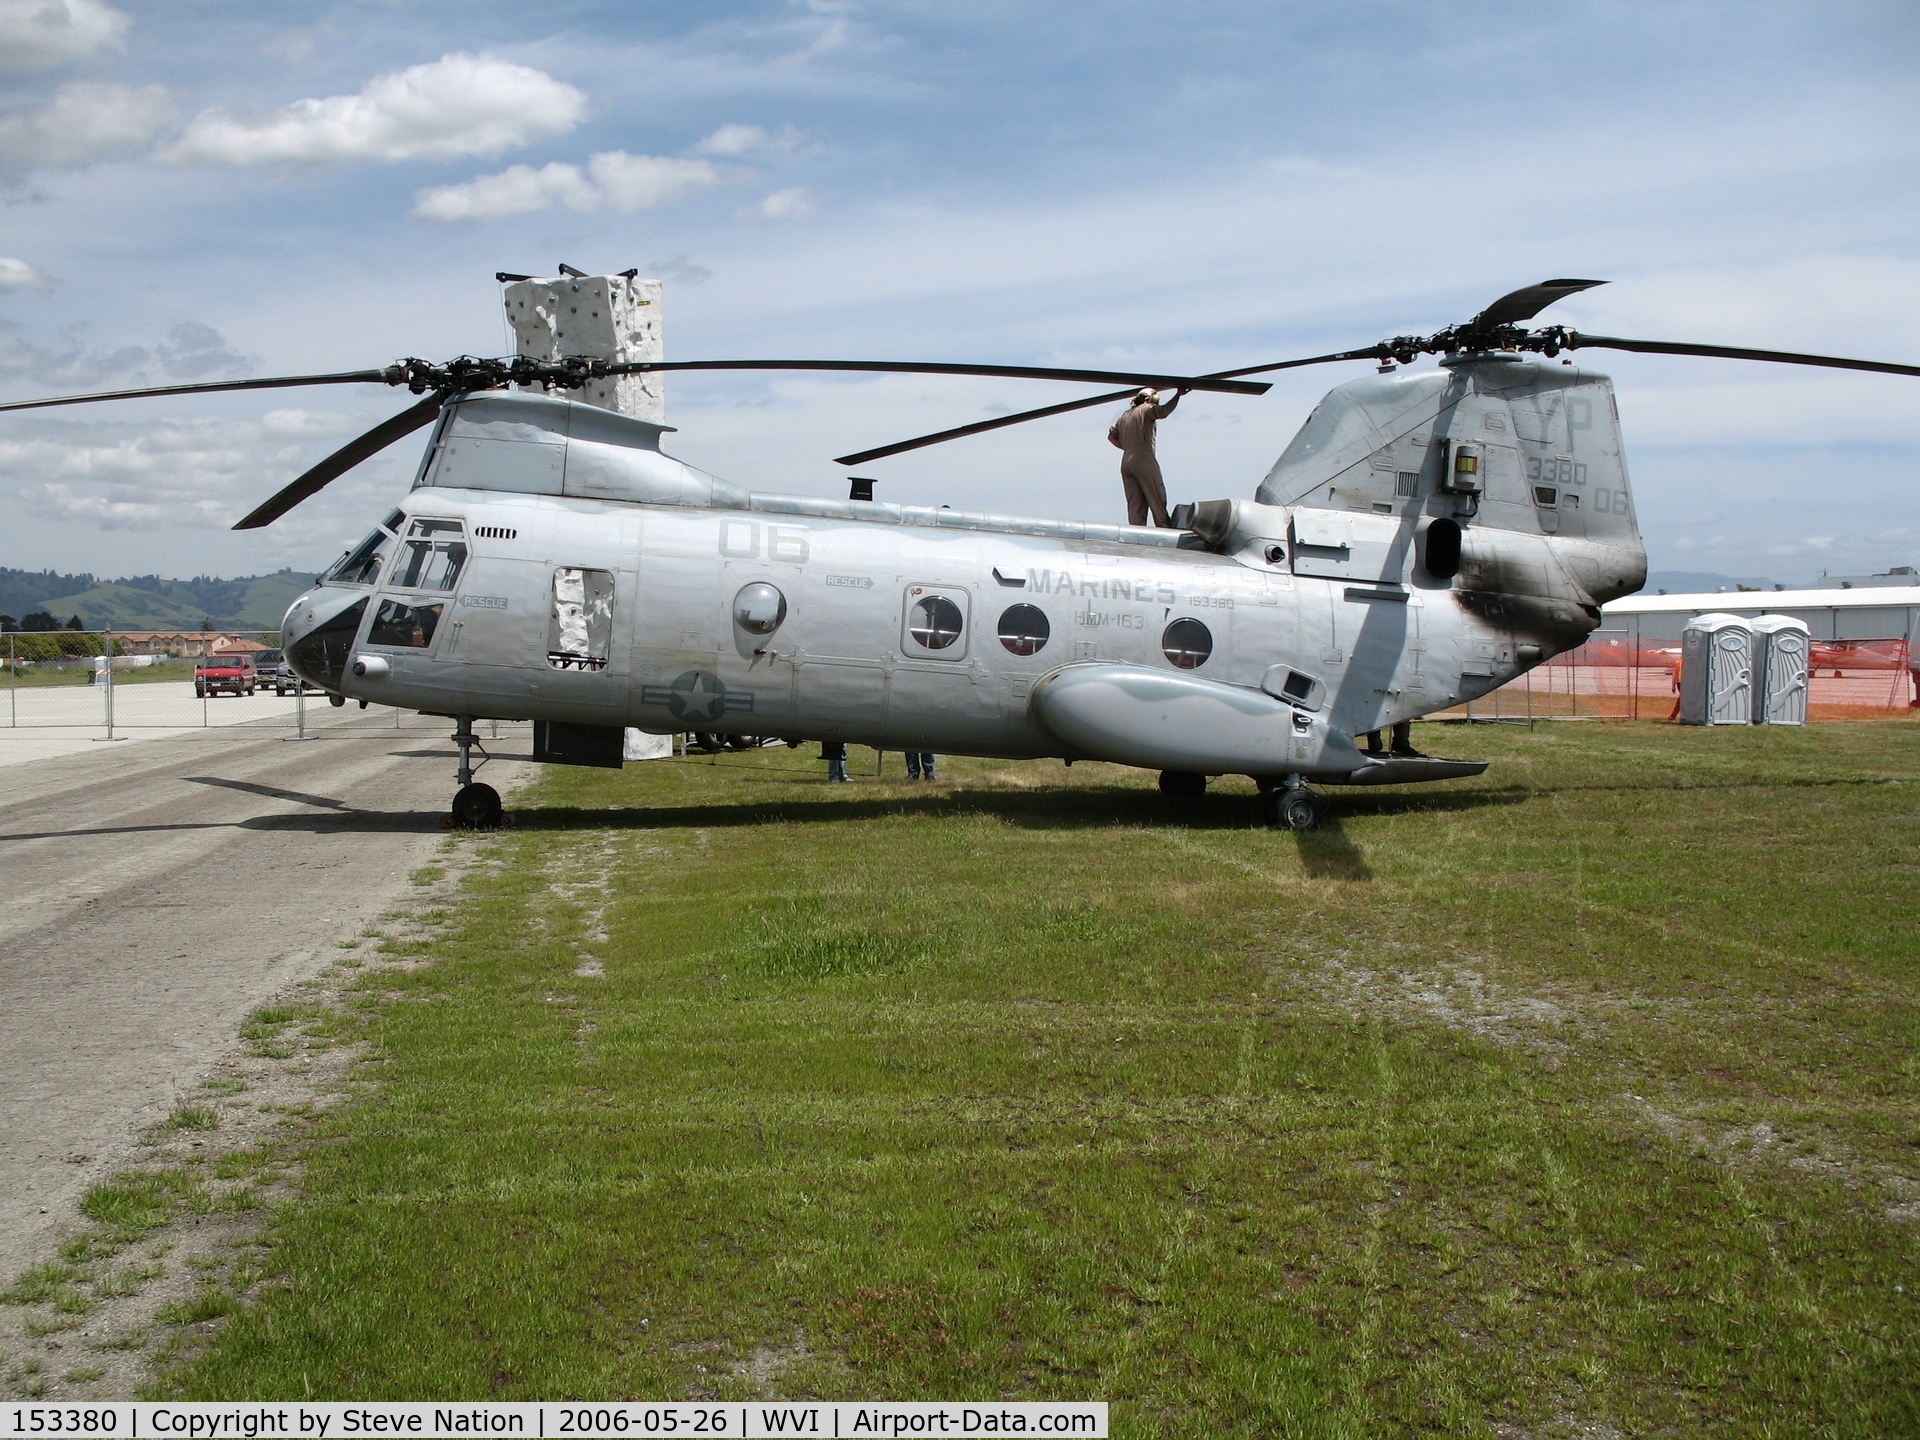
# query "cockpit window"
(431, 556)
(397, 623)
(362, 564)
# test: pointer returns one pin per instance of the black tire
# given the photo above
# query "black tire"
(1182, 785)
(337, 701)
(742, 742)
(477, 807)
(199, 692)
(707, 742)
(1297, 808)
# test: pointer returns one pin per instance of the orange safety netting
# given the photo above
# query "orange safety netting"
(1617, 677)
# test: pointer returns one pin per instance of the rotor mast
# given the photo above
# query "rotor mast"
(611, 318)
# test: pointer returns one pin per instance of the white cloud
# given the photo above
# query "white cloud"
(1305, 167)
(517, 190)
(735, 140)
(40, 34)
(191, 351)
(458, 105)
(644, 182)
(831, 38)
(201, 474)
(612, 180)
(86, 120)
(19, 275)
(679, 271)
(796, 203)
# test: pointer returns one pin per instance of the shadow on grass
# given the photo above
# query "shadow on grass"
(1327, 851)
(1327, 854)
(1047, 809)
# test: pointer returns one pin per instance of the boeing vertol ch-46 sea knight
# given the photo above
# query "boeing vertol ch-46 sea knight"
(1426, 537)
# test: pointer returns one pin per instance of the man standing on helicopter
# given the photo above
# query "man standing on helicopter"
(1132, 435)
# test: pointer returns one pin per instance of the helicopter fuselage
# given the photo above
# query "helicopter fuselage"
(551, 564)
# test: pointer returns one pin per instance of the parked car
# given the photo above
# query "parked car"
(276, 675)
(225, 675)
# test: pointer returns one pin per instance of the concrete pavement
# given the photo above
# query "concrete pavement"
(152, 894)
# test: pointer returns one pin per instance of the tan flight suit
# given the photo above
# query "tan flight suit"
(1132, 433)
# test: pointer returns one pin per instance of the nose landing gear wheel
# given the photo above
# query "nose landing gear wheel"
(1294, 808)
(477, 807)
(1182, 785)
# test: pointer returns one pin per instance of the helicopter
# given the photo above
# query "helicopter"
(1427, 536)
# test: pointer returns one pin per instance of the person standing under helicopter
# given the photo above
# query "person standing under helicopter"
(834, 752)
(1133, 434)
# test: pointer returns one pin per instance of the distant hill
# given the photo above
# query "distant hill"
(146, 602)
(1698, 582)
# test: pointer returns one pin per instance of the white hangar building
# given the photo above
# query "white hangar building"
(1884, 612)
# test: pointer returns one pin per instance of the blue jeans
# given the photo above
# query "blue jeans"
(834, 752)
(919, 761)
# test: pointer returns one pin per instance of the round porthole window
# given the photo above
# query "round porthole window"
(1187, 644)
(759, 608)
(934, 622)
(1024, 629)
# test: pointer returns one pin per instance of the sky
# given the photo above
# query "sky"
(199, 190)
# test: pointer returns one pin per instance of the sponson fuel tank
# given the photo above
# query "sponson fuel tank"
(1133, 715)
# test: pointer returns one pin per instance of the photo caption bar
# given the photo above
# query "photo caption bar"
(737, 1420)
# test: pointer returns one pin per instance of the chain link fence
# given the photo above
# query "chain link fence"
(148, 683)
(1622, 674)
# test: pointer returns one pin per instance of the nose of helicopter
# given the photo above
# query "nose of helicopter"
(317, 634)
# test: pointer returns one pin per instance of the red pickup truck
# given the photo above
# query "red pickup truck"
(225, 674)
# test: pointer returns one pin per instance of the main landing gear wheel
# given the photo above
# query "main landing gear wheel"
(477, 807)
(1182, 785)
(1293, 808)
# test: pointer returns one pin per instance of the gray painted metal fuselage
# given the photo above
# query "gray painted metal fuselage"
(1322, 619)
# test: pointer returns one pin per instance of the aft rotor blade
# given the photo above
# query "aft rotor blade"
(1575, 340)
(903, 367)
(345, 458)
(276, 382)
(999, 422)
(1529, 301)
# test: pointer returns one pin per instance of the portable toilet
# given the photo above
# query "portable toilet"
(1716, 671)
(1782, 647)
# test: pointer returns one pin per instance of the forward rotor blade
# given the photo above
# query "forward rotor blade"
(1575, 340)
(1529, 301)
(999, 422)
(901, 367)
(345, 458)
(981, 426)
(277, 382)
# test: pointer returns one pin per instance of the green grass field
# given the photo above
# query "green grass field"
(1576, 1100)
